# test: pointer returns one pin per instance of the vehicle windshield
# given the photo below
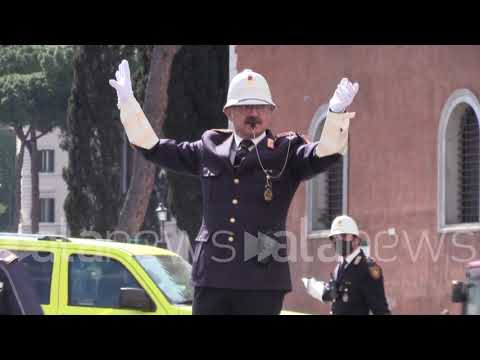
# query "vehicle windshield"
(472, 306)
(171, 274)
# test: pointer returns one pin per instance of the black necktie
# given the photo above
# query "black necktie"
(341, 269)
(242, 152)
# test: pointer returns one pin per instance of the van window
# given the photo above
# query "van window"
(39, 266)
(96, 281)
(171, 274)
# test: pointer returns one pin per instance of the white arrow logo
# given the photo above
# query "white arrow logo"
(261, 246)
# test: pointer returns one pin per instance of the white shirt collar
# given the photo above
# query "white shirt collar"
(350, 257)
(257, 139)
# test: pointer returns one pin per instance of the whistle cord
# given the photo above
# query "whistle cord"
(260, 161)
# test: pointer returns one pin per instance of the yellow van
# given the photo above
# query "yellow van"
(94, 277)
(99, 277)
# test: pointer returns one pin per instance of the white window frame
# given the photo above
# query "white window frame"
(458, 97)
(318, 118)
(53, 165)
(54, 210)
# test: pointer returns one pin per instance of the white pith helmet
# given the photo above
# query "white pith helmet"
(344, 225)
(248, 88)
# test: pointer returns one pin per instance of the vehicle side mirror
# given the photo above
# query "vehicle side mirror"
(134, 298)
(459, 292)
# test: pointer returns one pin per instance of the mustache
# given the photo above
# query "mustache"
(252, 121)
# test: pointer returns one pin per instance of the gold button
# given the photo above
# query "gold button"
(236, 180)
(232, 220)
(230, 238)
(234, 201)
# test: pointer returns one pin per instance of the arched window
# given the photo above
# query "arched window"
(458, 163)
(327, 192)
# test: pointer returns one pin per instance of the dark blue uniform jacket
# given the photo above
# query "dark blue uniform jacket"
(361, 289)
(234, 203)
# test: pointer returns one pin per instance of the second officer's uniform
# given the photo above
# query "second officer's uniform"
(356, 286)
(234, 269)
(359, 287)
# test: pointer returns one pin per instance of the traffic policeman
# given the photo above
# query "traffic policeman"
(248, 176)
(356, 286)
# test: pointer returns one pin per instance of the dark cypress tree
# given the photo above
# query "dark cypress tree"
(93, 140)
(197, 94)
(7, 179)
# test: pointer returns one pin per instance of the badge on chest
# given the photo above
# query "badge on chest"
(268, 193)
(344, 290)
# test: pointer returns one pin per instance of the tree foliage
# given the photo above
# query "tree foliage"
(35, 84)
(7, 179)
(94, 138)
(197, 94)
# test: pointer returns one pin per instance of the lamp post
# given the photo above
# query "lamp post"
(162, 214)
(3, 208)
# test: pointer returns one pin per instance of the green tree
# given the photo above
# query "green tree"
(140, 78)
(94, 138)
(138, 199)
(34, 87)
(197, 93)
(7, 179)
(186, 99)
(189, 102)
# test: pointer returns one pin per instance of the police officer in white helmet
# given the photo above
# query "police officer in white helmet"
(249, 176)
(356, 286)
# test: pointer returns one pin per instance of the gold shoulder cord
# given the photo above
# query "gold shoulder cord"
(268, 193)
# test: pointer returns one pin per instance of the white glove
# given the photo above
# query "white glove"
(314, 288)
(123, 84)
(138, 128)
(343, 96)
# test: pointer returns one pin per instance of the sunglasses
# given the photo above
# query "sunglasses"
(338, 237)
(257, 108)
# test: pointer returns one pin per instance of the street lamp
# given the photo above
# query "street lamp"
(162, 214)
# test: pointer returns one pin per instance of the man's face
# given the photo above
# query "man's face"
(244, 116)
(345, 244)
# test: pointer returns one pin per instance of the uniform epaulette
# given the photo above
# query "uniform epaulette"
(305, 138)
(7, 256)
(289, 135)
(374, 269)
(370, 261)
(285, 134)
(224, 131)
(293, 135)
